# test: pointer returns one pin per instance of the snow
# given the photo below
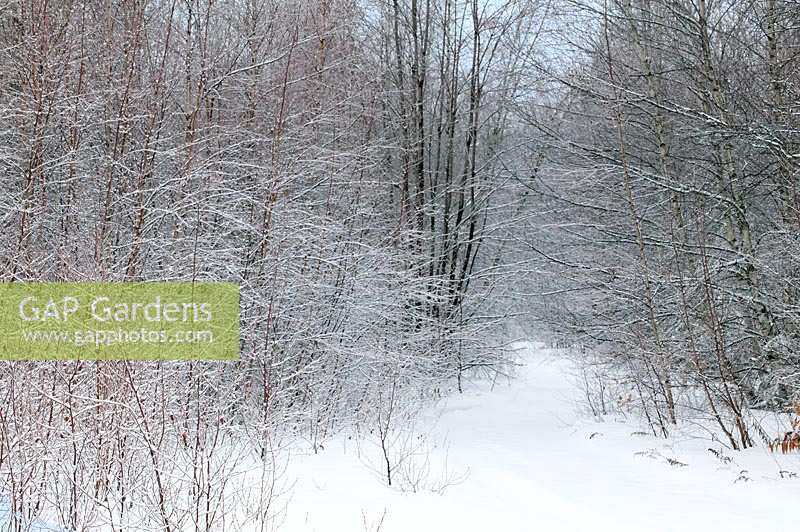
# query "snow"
(522, 457)
(7, 521)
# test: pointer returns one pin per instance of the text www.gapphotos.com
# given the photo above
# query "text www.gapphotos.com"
(107, 337)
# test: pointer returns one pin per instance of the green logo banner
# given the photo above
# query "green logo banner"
(119, 321)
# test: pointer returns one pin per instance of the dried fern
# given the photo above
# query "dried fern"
(790, 442)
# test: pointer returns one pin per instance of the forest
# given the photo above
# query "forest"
(401, 189)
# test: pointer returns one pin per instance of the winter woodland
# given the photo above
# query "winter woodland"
(401, 188)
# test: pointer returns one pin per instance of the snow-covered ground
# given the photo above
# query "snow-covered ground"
(521, 457)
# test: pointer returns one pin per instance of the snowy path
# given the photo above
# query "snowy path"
(531, 465)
